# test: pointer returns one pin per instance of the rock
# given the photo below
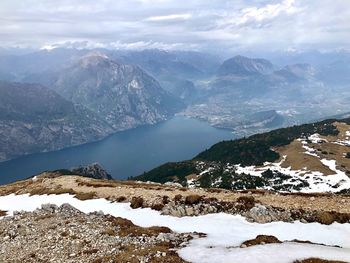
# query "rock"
(51, 208)
(94, 171)
(68, 235)
(189, 211)
(68, 209)
(182, 211)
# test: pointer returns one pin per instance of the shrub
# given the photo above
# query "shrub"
(192, 199)
(177, 198)
(262, 239)
(165, 200)
(121, 199)
(136, 202)
(246, 202)
(326, 218)
(85, 196)
(157, 207)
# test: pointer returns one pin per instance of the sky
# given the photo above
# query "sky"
(206, 25)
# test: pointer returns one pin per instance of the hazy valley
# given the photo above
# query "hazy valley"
(126, 89)
(162, 131)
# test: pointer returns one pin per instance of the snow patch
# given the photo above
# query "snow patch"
(224, 232)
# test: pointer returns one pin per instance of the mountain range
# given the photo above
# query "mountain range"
(86, 101)
(123, 89)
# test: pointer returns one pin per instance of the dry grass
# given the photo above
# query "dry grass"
(85, 196)
(317, 260)
(329, 150)
(329, 217)
(58, 190)
(261, 240)
(297, 159)
(126, 228)
(69, 184)
(96, 183)
(3, 213)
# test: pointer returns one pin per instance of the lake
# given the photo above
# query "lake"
(124, 154)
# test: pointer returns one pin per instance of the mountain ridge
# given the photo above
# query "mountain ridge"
(123, 95)
(298, 158)
(31, 113)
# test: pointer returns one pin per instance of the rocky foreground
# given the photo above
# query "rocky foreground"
(64, 234)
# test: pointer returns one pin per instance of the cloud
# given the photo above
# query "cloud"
(219, 26)
(169, 17)
(267, 12)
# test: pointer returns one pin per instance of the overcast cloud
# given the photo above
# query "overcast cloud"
(176, 24)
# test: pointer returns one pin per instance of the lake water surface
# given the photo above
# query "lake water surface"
(124, 154)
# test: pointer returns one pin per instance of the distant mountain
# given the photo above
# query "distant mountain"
(123, 95)
(160, 63)
(244, 66)
(35, 66)
(310, 158)
(36, 119)
(335, 73)
(294, 73)
(173, 69)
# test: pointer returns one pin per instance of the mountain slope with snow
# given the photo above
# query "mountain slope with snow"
(307, 158)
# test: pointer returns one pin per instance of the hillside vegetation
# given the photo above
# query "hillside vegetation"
(254, 150)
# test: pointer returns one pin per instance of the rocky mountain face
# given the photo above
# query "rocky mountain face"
(123, 95)
(90, 98)
(295, 73)
(307, 158)
(244, 66)
(94, 171)
(35, 119)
